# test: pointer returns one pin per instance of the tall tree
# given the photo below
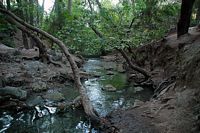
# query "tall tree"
(38, 16)
(198, 11)
(184, 21)
(8, 4)
(31, 11)
(69, 7)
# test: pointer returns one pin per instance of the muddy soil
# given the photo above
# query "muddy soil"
(174, 108)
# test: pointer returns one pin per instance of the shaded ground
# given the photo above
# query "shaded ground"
(22, 75)
(174, 65)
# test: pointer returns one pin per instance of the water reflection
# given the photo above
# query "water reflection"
(44, 119)
(69, 122)
(103, 101)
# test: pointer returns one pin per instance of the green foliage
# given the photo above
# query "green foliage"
(149, 23)
(92, 30)
(121, 25)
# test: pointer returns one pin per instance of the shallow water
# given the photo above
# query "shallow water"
(103, 101)
(45, 120)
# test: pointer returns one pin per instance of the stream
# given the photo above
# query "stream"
(74, 121)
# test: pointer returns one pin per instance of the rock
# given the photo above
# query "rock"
(14, 92)
(120, 68)
(109, 73)
(39, 86)
(54, 96)
(138, 89)
(109, 67)
(35, 67)
(57, 57)
(30, 53)
(84, 74)
(33, 101)
(1, 81)
(131, 76)
(137, 103)
(109, 88)
(108, 58)
(5, 49)
(79, 61)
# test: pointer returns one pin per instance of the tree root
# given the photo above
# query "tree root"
(89, 110)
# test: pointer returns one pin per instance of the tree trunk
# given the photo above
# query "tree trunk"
(26, 15)
(31, 9)
(100, 35)
(8, 4)
(42, 15)
(136, 68)
(69, 7)
(90, 5)
(25, 40)
(198, 13)
(25, 32)
(38, 16)
(89, 110)
(184, 21)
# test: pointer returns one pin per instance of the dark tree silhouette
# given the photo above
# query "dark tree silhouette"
(184, 21)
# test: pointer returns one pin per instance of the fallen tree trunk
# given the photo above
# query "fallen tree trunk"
(136, 68)
(89, 110)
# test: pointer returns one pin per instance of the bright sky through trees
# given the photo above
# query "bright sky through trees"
(49, 4)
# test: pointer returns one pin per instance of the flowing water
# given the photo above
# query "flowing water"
(45, 120)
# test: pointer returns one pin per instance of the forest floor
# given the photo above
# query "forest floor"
(25, 82)
(174, 66)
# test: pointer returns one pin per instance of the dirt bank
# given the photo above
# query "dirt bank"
(174, 66)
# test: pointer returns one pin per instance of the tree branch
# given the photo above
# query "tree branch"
(89, 110)
(136, 68)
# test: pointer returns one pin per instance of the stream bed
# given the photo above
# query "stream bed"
(46, 120)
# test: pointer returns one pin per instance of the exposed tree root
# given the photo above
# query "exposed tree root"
(136, 68)
(89, 110)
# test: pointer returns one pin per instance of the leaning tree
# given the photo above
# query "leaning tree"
(33, 31)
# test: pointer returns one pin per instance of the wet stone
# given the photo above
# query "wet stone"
(138, 89)
(35, 100)
(54, 96)
(39, 86)
(109, 88)
(138, 103)
(14, 92)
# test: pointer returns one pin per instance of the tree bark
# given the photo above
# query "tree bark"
(198, 13)
(136, 68)
(26, 15)
(184, 21)
(42, 49)
(38, 16)
(69, 7)
(90, 5)
(25, 40)
(31, 9)
(98, 33)
(89, 110)
(8, 4)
